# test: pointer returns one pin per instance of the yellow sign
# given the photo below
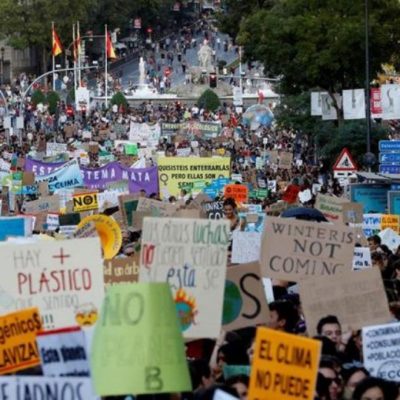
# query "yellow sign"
(18, 348)
(284, 367)
(109, 232)
(175, 173)
(390, 221)
(85, 202)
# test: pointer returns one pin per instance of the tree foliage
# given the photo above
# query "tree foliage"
(38, 97)
(209, 100)
(119, 99)
(52, 99)
(321, 44)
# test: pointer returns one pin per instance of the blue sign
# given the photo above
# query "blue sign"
(12, 227)
(372, 196)
(394, 202)
(389, 145)
(395, 186)
(389, 158)
(389, 169)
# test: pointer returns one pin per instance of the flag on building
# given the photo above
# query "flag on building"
(56, 48)
(77, 45)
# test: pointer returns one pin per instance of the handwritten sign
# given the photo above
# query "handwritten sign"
(57, 276)
(138, 335)
(40, 387)
(361, 258)
(331, 207)
(63, 353)
(121, 270)
(244, 299)
(240, 193)
(245, 247)
(44, 204)
(390, 221)
(284, 367)
(371, 224)
(293, 249)
(189, 254)
(18, 349)
(381, 351)
(85, 202)
(214, 209)
(357, 298)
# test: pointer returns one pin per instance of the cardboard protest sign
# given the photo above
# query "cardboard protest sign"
(293, 249)
(176, 171)
(41, 387)
(139, 335)
(189, 254)
(390, 221)
(285, 160)
(245, 247)
(352, 213)
(13, 226)
(357, 298)
(43, 204)
(284, 366)
(214, 209)
(244, 299)
(121, 270)
(361, 258)
(57, 276)
(18, 349)
(381, 351)
(331, 207)
(63, 352)
(156, 208)
(85, 202)
(128, 205)
(371, 224)
(240, 193)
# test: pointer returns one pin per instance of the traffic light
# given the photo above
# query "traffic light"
(213, 80)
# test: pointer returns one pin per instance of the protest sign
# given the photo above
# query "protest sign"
(381, 350)
(192, 128)
(390, 238)
(244, 299)
(85, 202)
(373, 197)
(284, 366)
(352, 213)
(139, 335)
(214, 209)
(371, 224)
(14, 226)
(18, 349)
(121, 270)
(331, 207)
(43, 204)
(357, 298)
(285, 160)
(56, 276)
(41, 387)
(67, 176)
(361, 258)
(156, 208)
(63, 352)
(390, 221)
(189, 254)
(173, 172)
(293, 249)
(240, 193)
(245, 247)
(53, 148)
(109, 232)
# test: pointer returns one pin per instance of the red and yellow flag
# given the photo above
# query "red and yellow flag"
(56, 44)
(109, 47)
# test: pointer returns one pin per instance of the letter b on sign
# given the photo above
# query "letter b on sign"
(154, 382)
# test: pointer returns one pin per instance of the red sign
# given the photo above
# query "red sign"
(345, 162)
(376, 102)
(239, 193)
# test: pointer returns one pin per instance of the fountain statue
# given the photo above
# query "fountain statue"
(205, 56)
(142, 72)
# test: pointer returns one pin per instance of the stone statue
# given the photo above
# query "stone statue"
(205, 56)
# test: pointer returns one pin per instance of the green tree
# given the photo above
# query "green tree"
(120, 100)
(209, 100)
(52, 99)
(38, 97)
(320, 45)
(27, 23)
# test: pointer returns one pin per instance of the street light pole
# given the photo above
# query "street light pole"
(2, 66)
(367, 79)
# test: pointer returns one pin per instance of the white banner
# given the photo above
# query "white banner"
(245, 247)
(328, 110)
(354, 104)
(390, 100)
(63, 353)
(40, 388)
(316, 103)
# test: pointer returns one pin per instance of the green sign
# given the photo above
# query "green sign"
(137, 344)
(131, 149)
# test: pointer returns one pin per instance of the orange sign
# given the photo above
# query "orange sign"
(284, 367)
(240, 193)
(18, 348)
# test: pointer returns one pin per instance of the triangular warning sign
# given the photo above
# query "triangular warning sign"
(345, 162)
